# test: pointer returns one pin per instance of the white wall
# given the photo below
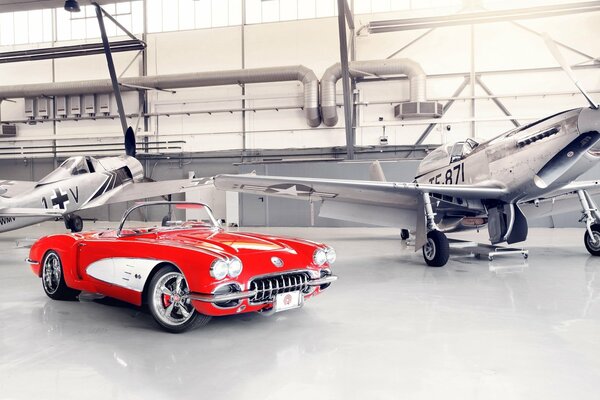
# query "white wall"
(314, 43)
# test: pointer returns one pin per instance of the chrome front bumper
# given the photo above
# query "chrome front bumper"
(224, 298)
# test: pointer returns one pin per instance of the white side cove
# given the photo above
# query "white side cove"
(129, 273)
(403, 66)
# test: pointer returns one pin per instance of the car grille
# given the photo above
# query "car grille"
(269, 286)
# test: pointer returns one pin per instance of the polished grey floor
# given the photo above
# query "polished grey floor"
(390, 328)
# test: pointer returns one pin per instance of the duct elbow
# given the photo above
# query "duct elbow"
(330, 116)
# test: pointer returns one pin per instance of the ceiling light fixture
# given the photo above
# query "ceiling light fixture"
(72, 6)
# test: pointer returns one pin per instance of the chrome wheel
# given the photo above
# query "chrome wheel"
(51, 273)
(429, 249)
(170, 299)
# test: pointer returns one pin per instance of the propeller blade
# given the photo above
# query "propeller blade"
(565, 66)
(130, 149)
(565, 159)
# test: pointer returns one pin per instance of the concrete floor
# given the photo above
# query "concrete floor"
(390, 328)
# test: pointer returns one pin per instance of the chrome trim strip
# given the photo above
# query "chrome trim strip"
(30, 261)
(222, 298)
(322, 281)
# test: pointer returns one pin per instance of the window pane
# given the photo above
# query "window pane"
(186, 14)
(137, 17)
(124, 20)
(235, 12)
(270, 10)
(253, 11)
(78, 30)
(203, 13)
(36, 26)
(92, 29)
(380, 5)
(325, 8)
(124, 8)
(288, 9)
(7, 29)
(63, 25)
(307, 9)
(154, 16)
(21, 28)
(362, 6)
(220, 13)
(400, 5)
(170, 14)
(47, 22)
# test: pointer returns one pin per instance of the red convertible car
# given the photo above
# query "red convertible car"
(186, 270)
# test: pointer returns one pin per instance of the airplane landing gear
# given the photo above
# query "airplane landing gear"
(591, 239)
(436, 250)
(593, 245)
(404, 234)
(73, 222)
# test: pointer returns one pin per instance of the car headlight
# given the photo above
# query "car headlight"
(331, 255)
(219, 269)
(235, 267)
(319, 257)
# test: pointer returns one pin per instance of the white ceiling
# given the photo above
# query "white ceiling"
(21, 5)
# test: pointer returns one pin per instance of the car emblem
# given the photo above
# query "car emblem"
(278, 262)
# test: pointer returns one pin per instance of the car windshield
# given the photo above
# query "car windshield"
(153, 216)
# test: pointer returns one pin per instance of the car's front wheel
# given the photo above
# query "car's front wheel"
(53, 280)
(169, 302)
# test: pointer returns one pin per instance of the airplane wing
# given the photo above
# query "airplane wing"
(144, 190)
(9, 188)
(395, 204)
(30, 212)
(561, 201)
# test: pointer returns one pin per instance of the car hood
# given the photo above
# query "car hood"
(235, 243)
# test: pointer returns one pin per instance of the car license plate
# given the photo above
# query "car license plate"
(287, 301)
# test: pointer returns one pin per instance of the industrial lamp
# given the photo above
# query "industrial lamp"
(72, 6)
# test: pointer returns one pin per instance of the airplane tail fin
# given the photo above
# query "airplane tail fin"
(376, 172)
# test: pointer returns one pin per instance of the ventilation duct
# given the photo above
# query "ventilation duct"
(177, 81)
(361, 69)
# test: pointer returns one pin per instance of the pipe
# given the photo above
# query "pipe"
(195, 79)
(360, 69)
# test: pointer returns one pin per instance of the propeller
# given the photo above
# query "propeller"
(570, 154)
(551, 44)
(130, 149)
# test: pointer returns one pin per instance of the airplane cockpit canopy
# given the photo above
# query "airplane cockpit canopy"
(446, 154)
(70, 167)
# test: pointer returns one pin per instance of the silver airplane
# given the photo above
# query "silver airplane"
(81, 183)
(528, 172)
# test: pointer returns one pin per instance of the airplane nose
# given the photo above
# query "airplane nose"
(589, 120)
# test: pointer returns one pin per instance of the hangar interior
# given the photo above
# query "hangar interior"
(242, 86)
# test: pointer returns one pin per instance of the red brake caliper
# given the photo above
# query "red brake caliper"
(166, 300)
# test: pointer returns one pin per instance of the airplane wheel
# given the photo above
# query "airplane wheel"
(169, 303)
(53, 280)
(404, 234)
(74, 223)
(593, 248)
(436, 250)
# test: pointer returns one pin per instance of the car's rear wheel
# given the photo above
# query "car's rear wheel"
(169, 302)
(53, 280)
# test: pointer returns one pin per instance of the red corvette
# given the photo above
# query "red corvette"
(186, 270)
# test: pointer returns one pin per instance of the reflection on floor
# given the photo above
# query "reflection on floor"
(390, 328)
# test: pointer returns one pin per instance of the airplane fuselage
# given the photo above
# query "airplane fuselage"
(71, 193)
(512, 160)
